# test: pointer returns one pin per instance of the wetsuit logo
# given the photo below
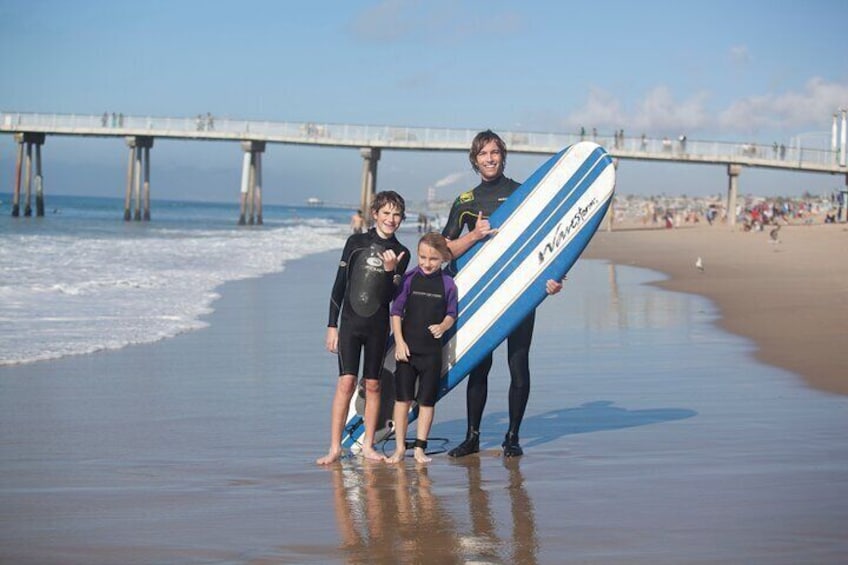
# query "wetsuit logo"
(367, 283)
(466, 197)
(563, 230)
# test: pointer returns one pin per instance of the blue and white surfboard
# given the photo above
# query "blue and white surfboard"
(543, 227)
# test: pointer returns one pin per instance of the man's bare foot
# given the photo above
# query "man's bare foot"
(421, 457)
(396, 457)
(332, 456)
(371, 454)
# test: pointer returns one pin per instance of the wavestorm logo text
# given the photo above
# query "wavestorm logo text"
(563, 230)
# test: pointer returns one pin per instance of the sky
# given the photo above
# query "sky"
(760, 71)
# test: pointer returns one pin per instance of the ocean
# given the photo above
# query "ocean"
(80, 279)
(651, 435)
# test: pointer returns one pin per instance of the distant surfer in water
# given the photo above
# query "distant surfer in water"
(423, 310)
(371, 268)
(471, 211)
(357, 222)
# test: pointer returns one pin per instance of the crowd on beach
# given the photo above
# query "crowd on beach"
(752, 213)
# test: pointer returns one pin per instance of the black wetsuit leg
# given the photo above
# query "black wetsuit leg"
(375, 350)
(430, 367)
(477, 392)
(405, 377)
(518, 354)
(350, 350)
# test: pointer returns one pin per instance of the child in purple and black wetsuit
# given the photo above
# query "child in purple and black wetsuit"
(423, 310)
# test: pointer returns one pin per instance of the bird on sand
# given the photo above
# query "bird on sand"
(699, 264)
(773, 234)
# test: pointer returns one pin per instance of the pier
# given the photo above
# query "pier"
(31, 130)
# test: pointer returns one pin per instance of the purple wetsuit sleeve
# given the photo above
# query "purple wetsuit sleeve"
(402, 294)
(451, 297)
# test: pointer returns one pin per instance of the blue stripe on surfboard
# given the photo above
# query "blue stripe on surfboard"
(522, 307)
(506, 209)
(525, 303)
(507, 322)
(470, 295)
(527, 242)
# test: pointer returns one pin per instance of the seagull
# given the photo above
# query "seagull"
(773, 234)
(699, 264)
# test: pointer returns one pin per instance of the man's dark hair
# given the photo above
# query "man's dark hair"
(480, 140)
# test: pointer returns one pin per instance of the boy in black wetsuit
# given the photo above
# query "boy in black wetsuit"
(423, 310)
(471, 211)
(370, 270)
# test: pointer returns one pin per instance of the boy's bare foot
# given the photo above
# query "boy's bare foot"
(371, 454)
(332, 456)
(396, 457)
(421, 457)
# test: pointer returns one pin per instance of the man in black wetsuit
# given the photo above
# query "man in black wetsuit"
(371, 268)
(471, 211)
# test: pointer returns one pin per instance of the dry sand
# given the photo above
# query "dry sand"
(789, 296)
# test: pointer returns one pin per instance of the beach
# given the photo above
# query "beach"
(652, 434)
(789, 295)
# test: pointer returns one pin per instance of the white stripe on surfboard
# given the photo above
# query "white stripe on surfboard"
(515, 285)
(530, 207)
(493, 250)
(549, 187)
(527, 237)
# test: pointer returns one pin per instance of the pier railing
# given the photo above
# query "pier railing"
(208, 127)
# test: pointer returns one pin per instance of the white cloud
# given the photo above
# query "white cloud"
(812, 107)
(739, 55)
(386, 21)
(658, 112)
(433, 22)
(450, 179)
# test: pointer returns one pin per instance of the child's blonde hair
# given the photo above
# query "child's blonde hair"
(438, 242)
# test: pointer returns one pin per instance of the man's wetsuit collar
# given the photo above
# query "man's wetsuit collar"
(484, 183)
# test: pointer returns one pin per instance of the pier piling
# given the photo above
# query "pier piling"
(39, 183)
(250, 195)
(733, 171)
(28, 182)
(16, 193)
(24, 163)
(138, 166)
(370, 156)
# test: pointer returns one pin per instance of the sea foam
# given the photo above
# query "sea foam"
(73, 293)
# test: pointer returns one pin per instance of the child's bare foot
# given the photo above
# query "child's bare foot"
(332, 456)
(371, 454)
(420, 456)
(396, 457)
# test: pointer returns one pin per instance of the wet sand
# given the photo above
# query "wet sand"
(789, 296)
(640, 446)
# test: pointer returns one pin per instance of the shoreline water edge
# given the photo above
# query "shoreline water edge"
(786, 292)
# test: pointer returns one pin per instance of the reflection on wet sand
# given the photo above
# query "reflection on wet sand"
(388, 514)
(483, 544)
(392, 514)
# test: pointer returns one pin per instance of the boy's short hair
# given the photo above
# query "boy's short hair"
(389, 197)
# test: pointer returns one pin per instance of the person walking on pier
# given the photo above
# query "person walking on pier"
(370, 270)
(471, 211)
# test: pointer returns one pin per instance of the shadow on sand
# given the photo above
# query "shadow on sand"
(597, 416)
